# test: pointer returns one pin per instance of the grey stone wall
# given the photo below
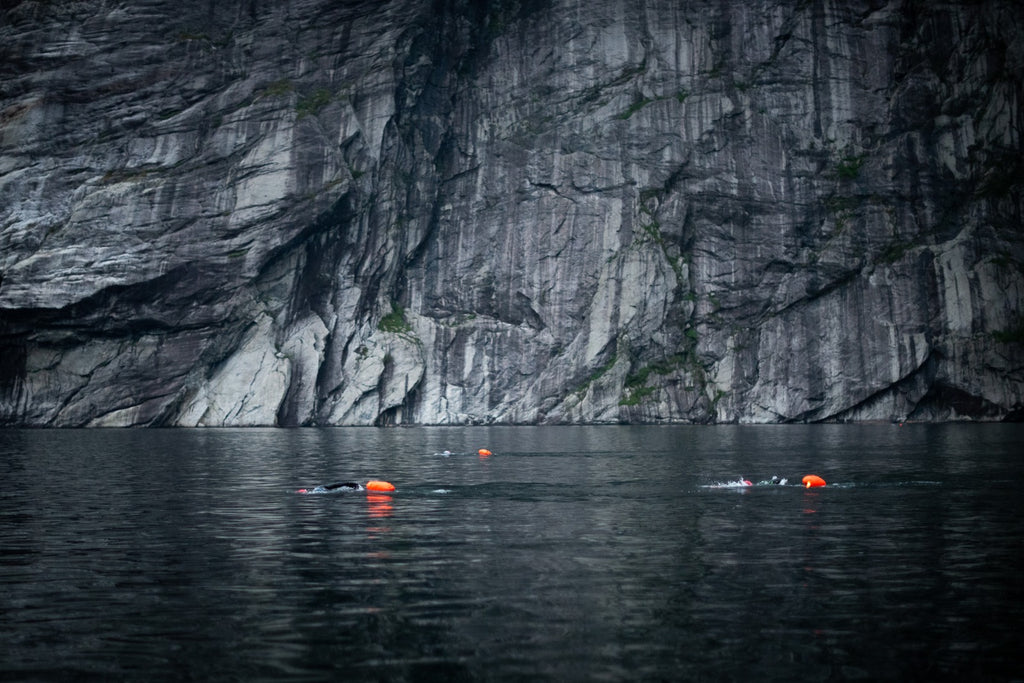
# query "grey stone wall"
(313, 212)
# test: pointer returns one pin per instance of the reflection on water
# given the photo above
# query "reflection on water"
(569, 554)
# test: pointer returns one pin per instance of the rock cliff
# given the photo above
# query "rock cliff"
(311, 212)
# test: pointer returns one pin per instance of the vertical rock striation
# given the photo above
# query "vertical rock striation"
(311, 212)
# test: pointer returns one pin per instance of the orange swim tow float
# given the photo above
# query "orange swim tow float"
(377, 485)
(812, 480)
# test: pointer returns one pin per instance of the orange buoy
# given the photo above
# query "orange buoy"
(484, 452)
(813, 480)
(379, 486)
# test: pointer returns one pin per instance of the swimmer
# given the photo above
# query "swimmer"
(372, 485)
(742, 483)
(344, 486)
(337, 486)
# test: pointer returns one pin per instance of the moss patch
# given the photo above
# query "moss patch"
(278, 88)
(313, 103)
(849, 166)
(1013, 335)
(395, 321)
(636, 388)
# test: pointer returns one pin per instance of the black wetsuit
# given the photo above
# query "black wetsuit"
(342, 485)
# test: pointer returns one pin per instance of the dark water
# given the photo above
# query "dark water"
(591, 553)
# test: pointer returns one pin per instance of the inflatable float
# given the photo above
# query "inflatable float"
(812, 480)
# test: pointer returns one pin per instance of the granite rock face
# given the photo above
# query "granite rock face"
(309, 212)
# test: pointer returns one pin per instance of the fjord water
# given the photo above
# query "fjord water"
(571, 553)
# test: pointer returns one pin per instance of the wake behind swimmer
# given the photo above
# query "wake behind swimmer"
(744, 483)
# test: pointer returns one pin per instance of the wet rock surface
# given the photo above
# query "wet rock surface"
(311, 212)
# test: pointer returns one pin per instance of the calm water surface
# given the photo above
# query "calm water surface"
(571, 553)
